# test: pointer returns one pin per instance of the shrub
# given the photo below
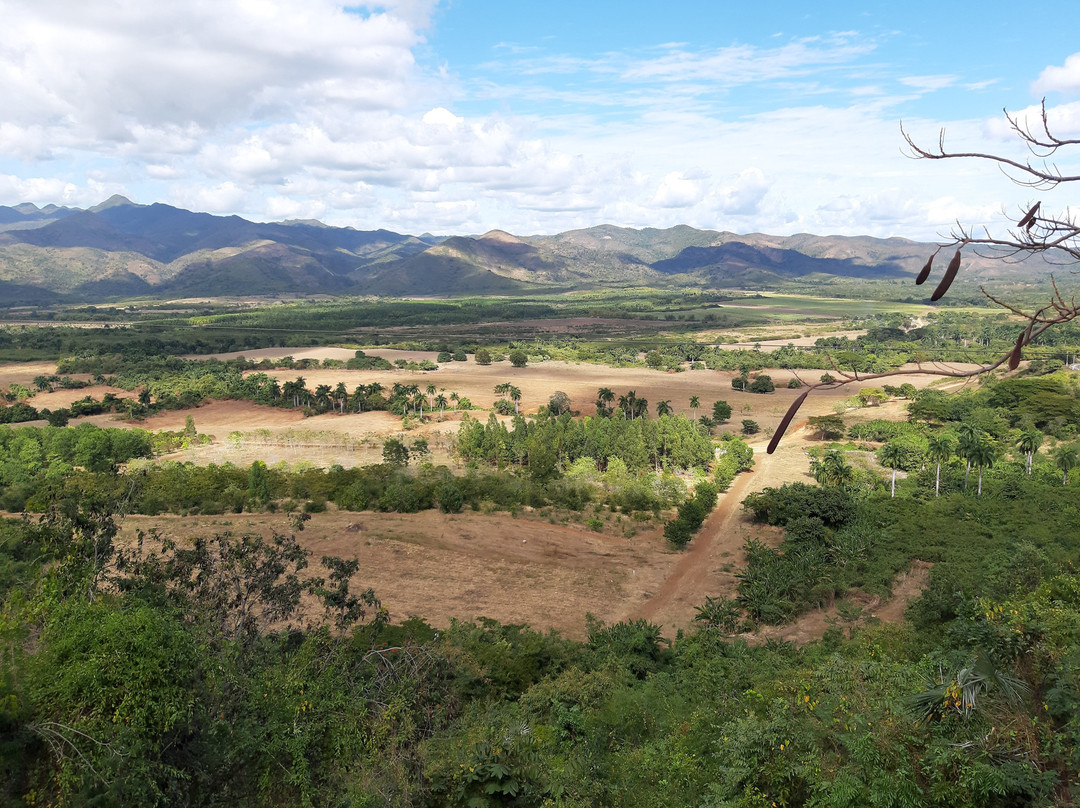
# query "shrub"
(762, 384)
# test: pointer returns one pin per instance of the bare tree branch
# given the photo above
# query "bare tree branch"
(1056, 237)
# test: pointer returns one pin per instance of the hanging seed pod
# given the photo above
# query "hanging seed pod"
(1014, 357)
(925, 273)
(785, 421)
(947, 278)
(1029, 217)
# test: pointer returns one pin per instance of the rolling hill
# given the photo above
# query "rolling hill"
(121, 249)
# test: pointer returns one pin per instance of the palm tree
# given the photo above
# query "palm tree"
(455, 398)
(1029, 442)
(695, 402)
(440, 402)
(641, 407)
(358, 396)
(968, 436)
(983, 454)
(1065, 458)
(322, 396)
(503, 389)
(892, 455)
(939, 449)
(341, 393)
(291, 391)
(604, 397)
(835, 468)
(515, 396)
(663, 408)
(431, 390)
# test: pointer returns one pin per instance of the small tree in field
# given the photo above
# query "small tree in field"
(558, 403)
(395, 452)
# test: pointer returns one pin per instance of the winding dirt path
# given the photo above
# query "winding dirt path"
(709, 566)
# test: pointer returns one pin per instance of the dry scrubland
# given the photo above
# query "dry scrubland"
(535, 567)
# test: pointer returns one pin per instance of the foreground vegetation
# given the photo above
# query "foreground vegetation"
(236, 670)
(154, 677)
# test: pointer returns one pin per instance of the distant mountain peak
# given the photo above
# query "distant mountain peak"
(500, 235)
(114, 201)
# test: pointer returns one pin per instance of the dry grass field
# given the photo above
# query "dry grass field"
(534, 568)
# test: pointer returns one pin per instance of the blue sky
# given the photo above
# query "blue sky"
(460, 116)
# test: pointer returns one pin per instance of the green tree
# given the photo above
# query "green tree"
(983, 454)
(395, 452)
(518, 358)
(968, 437)
(558, 403)
(828, 427)
(1029, 442)
(695, 402)
(939, 450)
(892, 456)
(721, 411)
(258, 483)
(761, 384)
(604, 397)
(1065, 458)
(483, 356)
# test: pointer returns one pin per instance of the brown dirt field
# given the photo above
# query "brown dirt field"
(468, 565)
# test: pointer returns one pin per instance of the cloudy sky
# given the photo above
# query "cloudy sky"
(459, 116)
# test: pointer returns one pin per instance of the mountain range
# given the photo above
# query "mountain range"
(121, 249)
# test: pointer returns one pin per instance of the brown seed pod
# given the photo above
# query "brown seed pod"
(947, 278)
(1014, 357)
(785, 421)
(925, 273)
(1029, 217)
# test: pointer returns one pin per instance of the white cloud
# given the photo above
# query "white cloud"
(39, 190)
(223, 198)
(929, 82)
(1064, 79)
(276, 109)
(100, 71)
(677, 191)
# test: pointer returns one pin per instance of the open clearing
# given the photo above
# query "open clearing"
(527, 569)
(533, 568)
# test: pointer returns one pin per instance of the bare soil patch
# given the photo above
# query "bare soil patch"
(439, 566)
(516, 570)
